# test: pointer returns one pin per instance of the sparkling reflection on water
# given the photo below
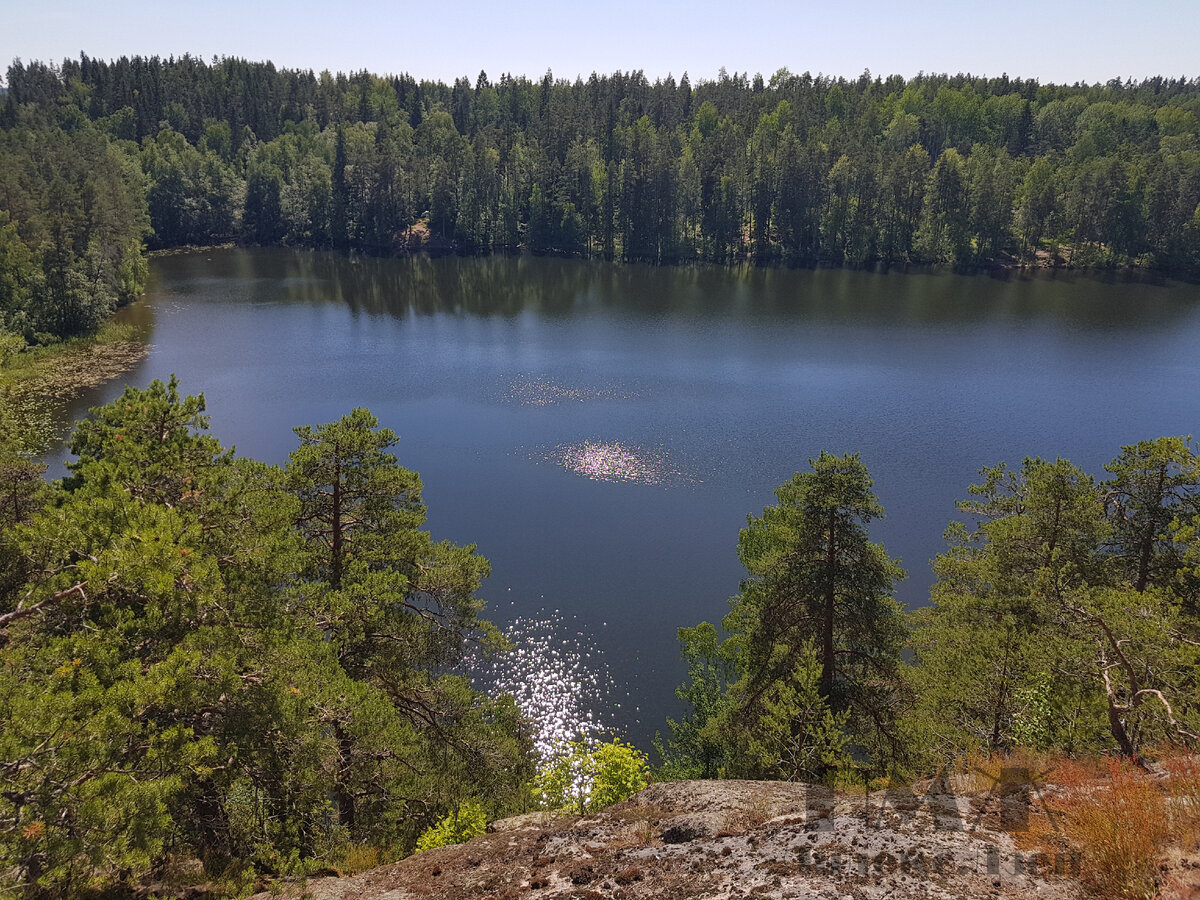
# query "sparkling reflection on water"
(540, 391)
(558, 678)
(617, 461)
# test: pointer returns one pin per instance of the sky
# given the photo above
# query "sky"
(1061, 42)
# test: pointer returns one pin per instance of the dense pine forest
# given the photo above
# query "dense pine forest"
(948, 170)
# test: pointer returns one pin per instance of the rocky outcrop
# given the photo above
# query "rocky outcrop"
(727, 839)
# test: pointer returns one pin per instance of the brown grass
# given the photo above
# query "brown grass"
(359, 858)
(748, 817)
(1183, 792)
(1116, 817)
(983, 773)
(1120, 827)
(1120, 830)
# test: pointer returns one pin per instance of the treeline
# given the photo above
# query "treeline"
(1065, 619)
(935, 169)
(72, 224)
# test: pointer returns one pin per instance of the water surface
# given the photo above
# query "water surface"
(601, 432)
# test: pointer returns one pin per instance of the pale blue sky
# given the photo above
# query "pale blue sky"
(1063, 41)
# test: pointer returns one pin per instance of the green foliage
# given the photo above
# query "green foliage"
(1032, 714)
(467, 821)
(944, 236)
(991, 634)
(19, 281)
(618, 771)
(947, 169)
(1153, 487)
(586, 777)
(181, 670)
(560, 782)
(817, 579)
(355, 500)
(795, 734)
(192, 194)
(1063, 619)
(72, 218)
(811, 665)
(694, 750)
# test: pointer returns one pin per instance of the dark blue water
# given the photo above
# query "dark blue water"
(715, 385)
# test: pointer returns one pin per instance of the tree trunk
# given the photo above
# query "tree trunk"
(345, 799)
(1117, 727)
(827, 662)
(335, 567)
(1001, 702)
(1147, 548)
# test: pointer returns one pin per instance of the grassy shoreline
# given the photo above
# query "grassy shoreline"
(35, 382)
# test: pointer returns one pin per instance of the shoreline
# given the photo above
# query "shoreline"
(998, 268)
(40, 381)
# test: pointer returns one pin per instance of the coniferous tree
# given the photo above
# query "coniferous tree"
(1038, 635)
(814, 636)
(179, 670)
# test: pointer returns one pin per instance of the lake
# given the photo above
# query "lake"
(602, 431)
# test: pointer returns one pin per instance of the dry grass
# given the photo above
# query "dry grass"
(1078, 774)
(981, 774)
(1183, 792)
(1120, 827)
(640, 821)
(748, 817)
(1120, 820)
(635, 833)
(360, 858)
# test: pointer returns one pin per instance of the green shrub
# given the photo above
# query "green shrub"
(460, 825)
(618, 772)
(590, 778)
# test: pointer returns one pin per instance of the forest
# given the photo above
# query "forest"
(97, 156)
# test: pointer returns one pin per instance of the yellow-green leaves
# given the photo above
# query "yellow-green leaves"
(585, 777)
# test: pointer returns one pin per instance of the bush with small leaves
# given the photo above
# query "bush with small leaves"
(588, 778)
(459, 826)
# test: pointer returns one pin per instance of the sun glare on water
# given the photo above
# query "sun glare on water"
(615, 461)
(558, 679)
(538, 391)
